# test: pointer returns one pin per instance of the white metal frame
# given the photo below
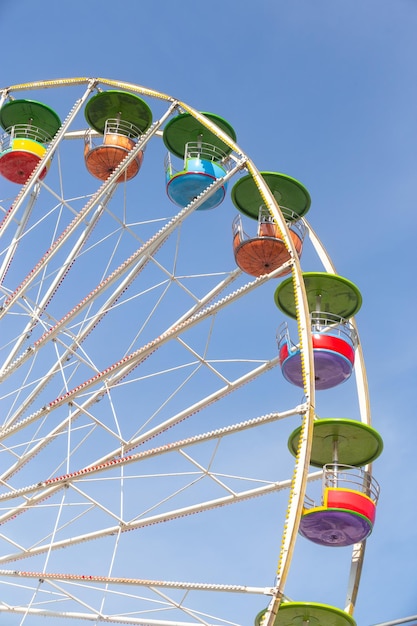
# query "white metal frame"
(81, 398)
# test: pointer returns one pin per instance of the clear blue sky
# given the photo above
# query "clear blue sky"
(325, 91)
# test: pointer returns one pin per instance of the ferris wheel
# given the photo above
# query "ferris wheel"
(148, 475)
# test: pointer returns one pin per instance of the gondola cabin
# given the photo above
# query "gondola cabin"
(266, 251)
(203, 159)
(332, 300)
(117, 120)
(334, 341)
(345, 514)
(30, 127)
